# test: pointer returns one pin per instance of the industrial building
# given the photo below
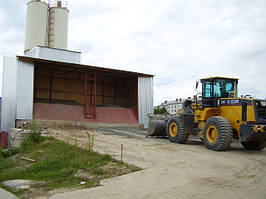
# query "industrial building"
(49, 83)
(35, 88)
(46, 24)
(171, 106)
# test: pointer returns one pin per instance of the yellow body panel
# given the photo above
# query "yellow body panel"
(203, 115)
(233, 113)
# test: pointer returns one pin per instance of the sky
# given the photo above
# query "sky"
(178, 41)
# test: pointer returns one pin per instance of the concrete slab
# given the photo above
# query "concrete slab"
(18, 184)
(7, 195)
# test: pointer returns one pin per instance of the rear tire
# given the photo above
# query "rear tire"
(175, 130)
(253, 145)
(218, 133)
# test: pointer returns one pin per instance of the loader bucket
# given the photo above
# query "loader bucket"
(157, 125)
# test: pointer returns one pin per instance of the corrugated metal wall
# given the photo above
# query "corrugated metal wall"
(17, 88)
(145, 99)
(54, 54)
(25, 81)
(9, 89)
(0, 110)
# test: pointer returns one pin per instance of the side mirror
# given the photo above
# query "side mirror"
(197, 84)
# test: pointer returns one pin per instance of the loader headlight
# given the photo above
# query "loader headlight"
(263, 103)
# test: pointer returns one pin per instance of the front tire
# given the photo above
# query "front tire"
(175, 130)
(253, 145)
(218, 133)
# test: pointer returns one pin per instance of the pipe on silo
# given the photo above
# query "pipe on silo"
(59, 4)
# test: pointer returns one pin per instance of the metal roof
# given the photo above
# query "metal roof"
(81, 66)
(57, 49)
(217, 77)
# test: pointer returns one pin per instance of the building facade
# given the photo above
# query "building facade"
(49, 84)
(171, 106)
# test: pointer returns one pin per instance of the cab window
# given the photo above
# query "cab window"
(207, 89)
(223, 88)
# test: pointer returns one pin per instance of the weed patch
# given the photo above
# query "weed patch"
(56, 163)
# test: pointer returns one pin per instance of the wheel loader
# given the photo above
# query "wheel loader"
(217, 118)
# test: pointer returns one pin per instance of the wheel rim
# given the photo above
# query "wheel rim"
(173, 129)
(212, 134)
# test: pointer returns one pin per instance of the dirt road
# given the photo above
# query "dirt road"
(173, 170)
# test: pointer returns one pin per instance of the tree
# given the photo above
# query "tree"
(162, 110)
(159, 110)
(156, 110)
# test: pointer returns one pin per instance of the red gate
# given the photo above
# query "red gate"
(3, 139)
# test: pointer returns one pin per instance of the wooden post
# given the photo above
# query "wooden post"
(122, 151)
(92, 142)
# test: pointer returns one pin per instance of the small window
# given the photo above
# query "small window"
(207, 89)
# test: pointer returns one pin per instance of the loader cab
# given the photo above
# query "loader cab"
(215, 88)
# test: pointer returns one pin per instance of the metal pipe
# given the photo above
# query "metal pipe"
(59, 4)
(94, 95)
(85, 94)
(137, 95)
(51, 84)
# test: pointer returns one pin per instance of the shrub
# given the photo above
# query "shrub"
(34, 135)
(160, 110)
(9, 152)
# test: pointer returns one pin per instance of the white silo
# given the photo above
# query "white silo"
(58, 26)
(36, 24)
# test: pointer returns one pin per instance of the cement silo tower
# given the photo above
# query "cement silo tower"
(36, 24)
(46, 24)
(58, 25)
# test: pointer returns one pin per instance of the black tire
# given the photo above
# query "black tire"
(180, 136)
(218, 133)
(254, 145)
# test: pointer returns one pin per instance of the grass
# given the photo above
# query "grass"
(56, 164)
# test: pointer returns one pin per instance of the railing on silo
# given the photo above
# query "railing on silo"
(57, 3)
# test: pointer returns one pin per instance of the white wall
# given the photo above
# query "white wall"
(25, 82)
(54, 54)
(17, 92)
(9, 93)
(145, 99)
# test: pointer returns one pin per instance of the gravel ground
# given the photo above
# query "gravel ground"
(171, 170)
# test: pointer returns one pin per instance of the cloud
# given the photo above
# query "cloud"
(177, 41)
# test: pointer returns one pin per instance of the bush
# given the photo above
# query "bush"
(34, 135)
(9, 152)
(160, 110)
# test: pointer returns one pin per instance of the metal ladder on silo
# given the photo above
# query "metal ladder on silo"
(51, 22)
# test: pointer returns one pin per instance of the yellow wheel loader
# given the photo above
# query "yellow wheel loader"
(218, 118)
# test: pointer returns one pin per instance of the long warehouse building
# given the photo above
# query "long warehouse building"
(51, 84)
